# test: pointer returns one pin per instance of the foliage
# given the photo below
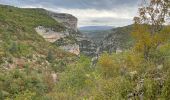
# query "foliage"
(26, 95)
(140, 73)
(18, 35)
(78, 76)
(149, 31)
(147, 43)
(107, 65)
(20, 84)
(50, 56)
(166, 88)
(114, 89)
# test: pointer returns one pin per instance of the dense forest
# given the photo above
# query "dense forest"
(34, 69)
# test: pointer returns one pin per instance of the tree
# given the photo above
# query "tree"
(50, 56)
(13, 48)
(150, 31)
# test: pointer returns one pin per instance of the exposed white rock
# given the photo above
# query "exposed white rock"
(54, 77)
(73, 48)
(50, 35)
(160, 67)
(118, 50)
(133, 73)
(67, 20)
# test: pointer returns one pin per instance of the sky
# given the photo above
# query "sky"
(89, 12)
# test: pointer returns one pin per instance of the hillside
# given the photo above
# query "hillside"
(44, 56)
(19, 38)
(34, 53)
(119, 38)
(17, 27)
(22, 49)
(96, 35)
(111, 40)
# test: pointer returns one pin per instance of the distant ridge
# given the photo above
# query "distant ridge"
(90, 28)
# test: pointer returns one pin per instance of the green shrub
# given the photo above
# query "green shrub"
(50, 56)
(77, 79)
(166, 88)
(25, 95)
(114, 89)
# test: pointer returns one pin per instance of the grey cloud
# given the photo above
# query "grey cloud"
(74, 4)
(107, 5)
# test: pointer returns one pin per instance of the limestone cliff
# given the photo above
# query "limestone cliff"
(49, 34)
(71, 39)
(67, 20)
(56, 36)
(87, 46)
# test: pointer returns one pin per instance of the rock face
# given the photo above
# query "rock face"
(61, 38)
(52, 36)
(73, 41)
(118, 40)
(72, 48)
(110, 44)
(66, 19)
(115, 40)
(49, 35)
(87, 47)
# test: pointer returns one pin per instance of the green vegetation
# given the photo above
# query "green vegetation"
(96, 35)
(33, 69)
(122, 37)
(17, 30)
(26, 59)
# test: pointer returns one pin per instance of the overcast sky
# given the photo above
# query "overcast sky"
(89, 12)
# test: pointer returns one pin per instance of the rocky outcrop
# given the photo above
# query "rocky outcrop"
(117, 40)
(110, 45)
(49, 35)
(73, 41)
(87, 47)
(72, 48)
(61, 38)
(67, 20)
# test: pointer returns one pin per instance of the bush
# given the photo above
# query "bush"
(151, 89)
(20, 84)
(107, 66)
(78, 78)
(166, 88)
(50, 56)
(25, 95)
(114, 89)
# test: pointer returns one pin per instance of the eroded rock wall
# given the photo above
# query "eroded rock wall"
(67, 20)
(49, 35)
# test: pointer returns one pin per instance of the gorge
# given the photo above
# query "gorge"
(46, 55)
(89, 41)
